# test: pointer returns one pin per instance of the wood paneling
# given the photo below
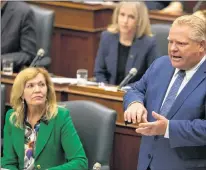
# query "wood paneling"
(72, 50)
(126, 149)
(157, 17)
(189, 5)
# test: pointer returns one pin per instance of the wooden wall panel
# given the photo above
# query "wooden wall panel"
(73, 50)
(8, 92)
(126, 149)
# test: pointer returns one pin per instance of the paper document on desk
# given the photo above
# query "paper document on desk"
(98, 2)
(63, 80)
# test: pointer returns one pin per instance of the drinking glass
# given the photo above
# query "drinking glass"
(7, 66)
(82, 75)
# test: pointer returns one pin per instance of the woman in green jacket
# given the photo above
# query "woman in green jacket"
(38, 134)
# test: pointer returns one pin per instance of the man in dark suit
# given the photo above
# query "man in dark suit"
(18, 36)
(170, 100)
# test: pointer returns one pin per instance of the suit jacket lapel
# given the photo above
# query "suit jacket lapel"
(19, 142)
(7, 16)
(197, 78)
(166, 76)
(133, 55)
(114, 56)
(43, 136)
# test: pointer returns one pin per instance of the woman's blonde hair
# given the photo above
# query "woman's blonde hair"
(143, 22)
(16, 100)
(197, 25)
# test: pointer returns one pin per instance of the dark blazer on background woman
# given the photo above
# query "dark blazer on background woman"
(141, 54)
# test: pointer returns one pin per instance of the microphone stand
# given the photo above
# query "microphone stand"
(34, 63)
(197, 6)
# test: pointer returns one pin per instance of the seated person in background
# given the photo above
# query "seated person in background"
(201, 14)
(174, 7)
(18, 37)
(127, 43)
(38, 133)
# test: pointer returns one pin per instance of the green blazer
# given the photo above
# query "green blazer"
(58, 146)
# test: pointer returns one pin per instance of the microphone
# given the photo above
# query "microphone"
(129, 76)
(40, 53)
(97, 166)
(197, 6)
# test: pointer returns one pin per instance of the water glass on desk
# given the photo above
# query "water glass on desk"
(7, 66)
(82, 76)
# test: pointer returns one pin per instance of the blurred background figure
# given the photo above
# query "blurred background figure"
(171, 7)
(18, 36)
(38, 134)
(127, 43)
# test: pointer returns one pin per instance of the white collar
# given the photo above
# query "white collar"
(190, 72)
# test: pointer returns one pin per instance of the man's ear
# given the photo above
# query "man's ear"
(203, 46)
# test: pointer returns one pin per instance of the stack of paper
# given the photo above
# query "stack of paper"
(61, 80)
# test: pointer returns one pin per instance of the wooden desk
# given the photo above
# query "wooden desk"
(158, 17)
(126, 141)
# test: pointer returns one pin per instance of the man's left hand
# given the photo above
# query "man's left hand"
(153, 128)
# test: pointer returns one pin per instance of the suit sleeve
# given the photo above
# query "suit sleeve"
(153, 52)
(184, 133)
(74, 152)
(27, 43)
(100, 69)
(138, 89)
(9, 159)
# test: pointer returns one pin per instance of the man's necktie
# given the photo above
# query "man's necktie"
(172, 94)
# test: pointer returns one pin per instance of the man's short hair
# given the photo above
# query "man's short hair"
(197, 24)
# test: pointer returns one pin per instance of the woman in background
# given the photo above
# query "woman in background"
(172, 7)
(38, 134)
(127, 43)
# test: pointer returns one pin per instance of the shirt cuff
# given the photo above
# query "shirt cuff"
(134, 102)
(167, 131)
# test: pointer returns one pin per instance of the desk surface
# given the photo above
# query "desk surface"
(76, 5)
